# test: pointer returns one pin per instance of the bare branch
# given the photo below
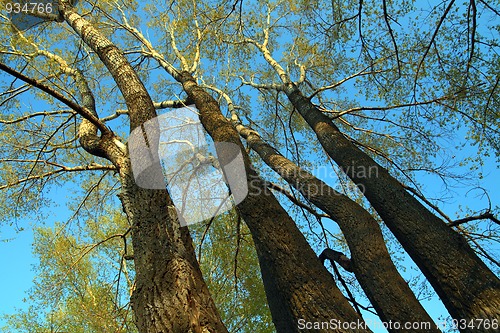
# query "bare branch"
(33, 115)
(478, 248)
(489, 7)
(62, 168)
(385, 108)
(386, 19)
(84, 112)
(269, 86)
(426, 201)
(448, 8)
(484, 216)
(291, 197)
(184, 64)
(87, 251)
(471, 12)
(337, 84)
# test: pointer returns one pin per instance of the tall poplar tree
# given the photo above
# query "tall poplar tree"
(276, 78)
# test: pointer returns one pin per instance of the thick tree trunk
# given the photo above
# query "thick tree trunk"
(170, 294)
(371, 263)
(466, 286)
(298, 287)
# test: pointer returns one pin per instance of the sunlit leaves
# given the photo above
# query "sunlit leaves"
(230, 268)
(80, 286)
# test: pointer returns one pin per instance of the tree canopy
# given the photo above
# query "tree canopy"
(372, 123)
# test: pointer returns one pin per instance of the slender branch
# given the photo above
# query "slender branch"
(280, 189)
(151, 50)
(385, 108)
(336, 84)
(61, 169)
(489, 7)
(426, 201)
(237, 251)
(85, 252)
(184, 64)
(483, 216)
(84, 112)
(33, 115)
(428, 48)
(83, 201)
(478, 248)
(269, 86)
(346, 287)
(391, 32)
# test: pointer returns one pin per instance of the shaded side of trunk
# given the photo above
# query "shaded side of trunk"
(170, 293)
(467, 287)
(298, 287)
(371, 263)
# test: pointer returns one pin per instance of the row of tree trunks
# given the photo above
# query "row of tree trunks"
(371, 263)
(468, 289)
(298, 287)
(170, 293)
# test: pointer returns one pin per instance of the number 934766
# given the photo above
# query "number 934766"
(29, 7)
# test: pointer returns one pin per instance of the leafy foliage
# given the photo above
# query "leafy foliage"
(413, 84)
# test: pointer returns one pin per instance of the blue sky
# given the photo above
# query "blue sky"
(17, 276)
(16, 254)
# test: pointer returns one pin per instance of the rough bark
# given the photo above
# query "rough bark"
(170, 293)
(371, 263)
(468, 289)
(297, 285)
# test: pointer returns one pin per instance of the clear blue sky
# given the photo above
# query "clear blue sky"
(16, 258)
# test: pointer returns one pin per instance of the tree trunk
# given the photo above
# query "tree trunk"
(371, 263)
(298, 287)
(468, 289)
(170, 293)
